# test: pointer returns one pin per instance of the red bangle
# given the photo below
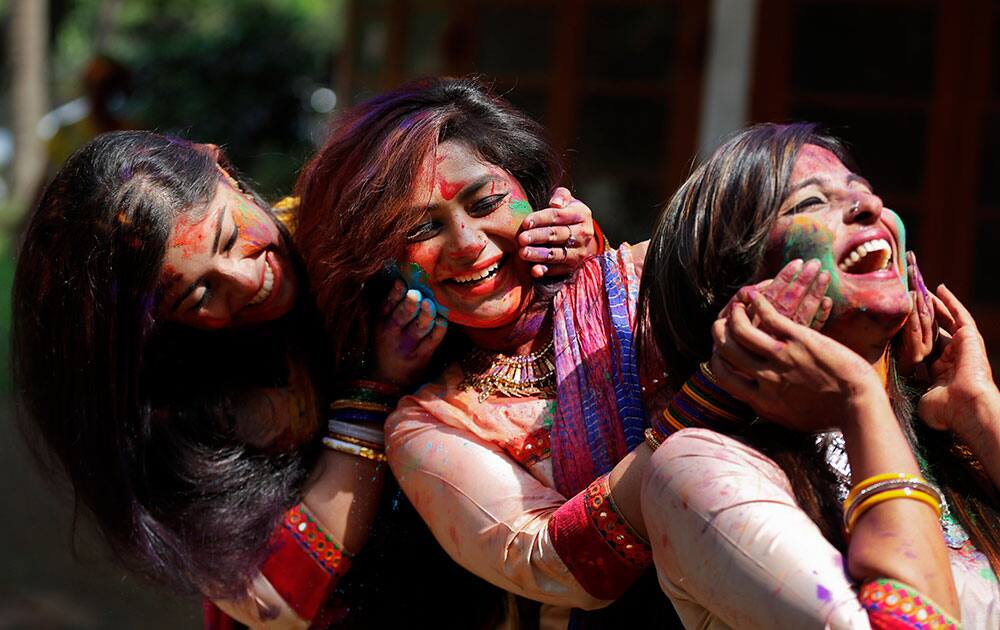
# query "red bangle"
(602, 243)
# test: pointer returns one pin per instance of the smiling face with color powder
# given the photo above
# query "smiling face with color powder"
(227, 266)
(832, 214)
(465, 250)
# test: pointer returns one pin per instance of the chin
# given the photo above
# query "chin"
(485, 320)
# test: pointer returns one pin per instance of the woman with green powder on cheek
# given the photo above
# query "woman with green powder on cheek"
(816, 528)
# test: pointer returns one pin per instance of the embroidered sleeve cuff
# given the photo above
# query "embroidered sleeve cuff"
(892, 605)
(592, 538)
(304, 563)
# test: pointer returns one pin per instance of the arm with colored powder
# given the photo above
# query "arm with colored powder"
(497, 520)
(743, 511)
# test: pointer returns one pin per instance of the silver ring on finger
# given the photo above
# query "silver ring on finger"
(571, 240)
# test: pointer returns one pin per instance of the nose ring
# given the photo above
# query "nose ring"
(853, 210)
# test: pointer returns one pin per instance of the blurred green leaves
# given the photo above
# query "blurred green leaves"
(237, 73)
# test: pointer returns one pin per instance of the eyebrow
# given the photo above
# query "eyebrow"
(462, 197)
(851, 178)
(806, 182)
(218, 229)
(474, 187)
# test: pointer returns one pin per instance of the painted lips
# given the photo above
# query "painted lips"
(481, 282)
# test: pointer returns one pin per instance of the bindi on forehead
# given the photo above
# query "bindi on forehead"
(813, 160)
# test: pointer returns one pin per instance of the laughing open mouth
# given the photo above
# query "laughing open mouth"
(479, 276)
(265, 287)
(868, 257)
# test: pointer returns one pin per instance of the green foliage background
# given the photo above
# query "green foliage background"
(237, 73)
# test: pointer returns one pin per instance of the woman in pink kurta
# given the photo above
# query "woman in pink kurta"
(481, 471)
(436, 182)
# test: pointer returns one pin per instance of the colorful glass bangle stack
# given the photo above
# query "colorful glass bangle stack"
(368, 402)
(365, 401)
(701, 402)
(885, 487)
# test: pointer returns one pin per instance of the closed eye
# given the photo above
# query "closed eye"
(231, 241)
(206, 294)
(423, 231)
(804, 205)
(486, 205)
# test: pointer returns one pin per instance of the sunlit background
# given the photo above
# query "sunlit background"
(631, 91)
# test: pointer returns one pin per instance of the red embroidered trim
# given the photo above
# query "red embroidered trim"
(591, 555)
(613, 527)
(303, 563)
(531, 448)
(317, 543)
(892, 605)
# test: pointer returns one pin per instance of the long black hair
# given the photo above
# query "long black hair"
(138, 415)
(710, 241)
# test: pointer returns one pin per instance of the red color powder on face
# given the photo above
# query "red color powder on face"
(449, 189)
(188, 236)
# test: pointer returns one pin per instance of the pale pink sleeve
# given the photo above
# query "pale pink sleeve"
(487, 511)
(732, 547)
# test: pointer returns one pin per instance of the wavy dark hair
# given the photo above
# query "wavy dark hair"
(139, 415)
(710, 241)
(357, 186)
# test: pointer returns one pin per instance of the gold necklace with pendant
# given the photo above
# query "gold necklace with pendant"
(517, 376)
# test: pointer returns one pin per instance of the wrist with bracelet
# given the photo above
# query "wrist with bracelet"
(702, 403)
(361, 402)
(885, 487)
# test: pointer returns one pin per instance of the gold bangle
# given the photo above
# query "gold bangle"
(907, 493)
(353, 449)
(706, 369)
(652, 440)
(864, 483)
(365, 405)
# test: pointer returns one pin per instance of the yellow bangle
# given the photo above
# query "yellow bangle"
(864, 483)
(905, 493)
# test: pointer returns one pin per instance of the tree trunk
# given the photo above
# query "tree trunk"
(28, 55)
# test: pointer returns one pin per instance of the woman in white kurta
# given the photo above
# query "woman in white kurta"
(745, 539)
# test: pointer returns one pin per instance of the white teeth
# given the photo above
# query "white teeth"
(878, 246)
(473, 277)
(265, 288)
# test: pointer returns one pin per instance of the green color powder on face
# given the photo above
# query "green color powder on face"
(520, 207)
(416, 278)
(903, 263)
(807, 239)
